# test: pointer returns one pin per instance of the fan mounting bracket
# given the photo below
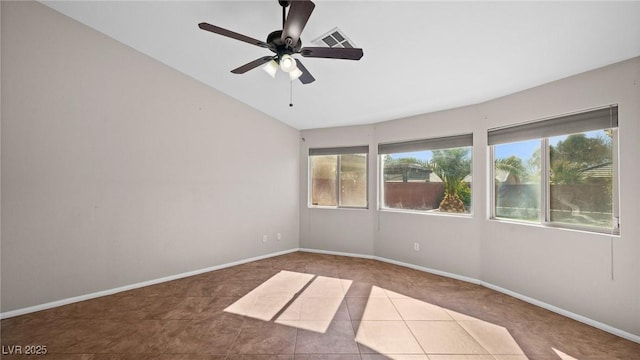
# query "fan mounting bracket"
(282, 47)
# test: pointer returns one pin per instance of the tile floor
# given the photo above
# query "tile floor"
(310, 306)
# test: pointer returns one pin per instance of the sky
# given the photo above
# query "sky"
(521, 149)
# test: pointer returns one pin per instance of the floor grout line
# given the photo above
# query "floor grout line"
(109, 311)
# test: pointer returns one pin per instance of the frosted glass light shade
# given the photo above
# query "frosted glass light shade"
(271, 68)
(295, 73)
(287, 63)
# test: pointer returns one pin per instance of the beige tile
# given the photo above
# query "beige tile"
(284, 283)
(361, 289)
(395, 295)
(460, 316)
(323, 286)
(413, 309)
(386, 337)
(380, 309)
(444, 337)
(346, 285)
(461, 357)
(259, 307)
(270, 297)
(378, 292)
(511, 357)
(564, 356)
(291, 311)
(313, 309)
(394, 357)
(495, 339)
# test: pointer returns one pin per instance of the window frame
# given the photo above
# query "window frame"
(462, 140)
(338, 151)
(545, 179)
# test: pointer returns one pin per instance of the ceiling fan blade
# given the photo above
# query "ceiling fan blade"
(332, 53)
(231, 34)
(306, 76)
(299, 12)
(252, 65)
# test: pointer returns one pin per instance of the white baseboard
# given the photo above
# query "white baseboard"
(94, 295)
(431, 271)
(552, 308)
(555, 309)
(338, 253)
(563, 312)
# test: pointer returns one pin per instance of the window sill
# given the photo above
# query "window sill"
(581, 229)
(336, 207)
(433, 212)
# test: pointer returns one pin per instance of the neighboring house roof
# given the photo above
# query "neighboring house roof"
(413, 172)
(406, 172)
(603, 170)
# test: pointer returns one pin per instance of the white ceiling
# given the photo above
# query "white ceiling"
(419, 57)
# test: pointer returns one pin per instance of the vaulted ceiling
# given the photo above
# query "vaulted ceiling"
(419, 56)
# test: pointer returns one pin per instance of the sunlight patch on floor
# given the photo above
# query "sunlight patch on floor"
(385, 322)
(396, 325)
(562, 355)
(304, 301)
(266, 300)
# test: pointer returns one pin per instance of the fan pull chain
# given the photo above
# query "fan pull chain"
(291, 93)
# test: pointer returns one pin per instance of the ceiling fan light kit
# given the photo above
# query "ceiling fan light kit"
(295, 74)
(285, 43)
(287, 63)
(271, 68)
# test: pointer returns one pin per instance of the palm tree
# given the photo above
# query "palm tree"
(514, 166)
(452, 166)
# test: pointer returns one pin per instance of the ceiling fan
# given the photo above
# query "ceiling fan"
(286, 42)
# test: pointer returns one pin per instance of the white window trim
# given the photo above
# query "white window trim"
(337, 151)
(545, 201)
(428, 144)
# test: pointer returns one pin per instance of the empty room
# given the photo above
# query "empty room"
(199, 180)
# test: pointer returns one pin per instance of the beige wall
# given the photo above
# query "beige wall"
(343, 230)
(570, 269)
(117, 169)
(567, 270)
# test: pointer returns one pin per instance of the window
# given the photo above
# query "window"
(427, 175)
(338, 176)
(560, 171)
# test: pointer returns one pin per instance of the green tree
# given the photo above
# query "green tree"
(452, 166)
(534, 167)
(515, 167)
(575, 153)
(389, 161)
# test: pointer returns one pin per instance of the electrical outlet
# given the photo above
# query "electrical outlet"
(416, 246)
(278, 236)
(265, 238)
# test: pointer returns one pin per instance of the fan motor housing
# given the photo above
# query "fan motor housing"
(274, 40)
